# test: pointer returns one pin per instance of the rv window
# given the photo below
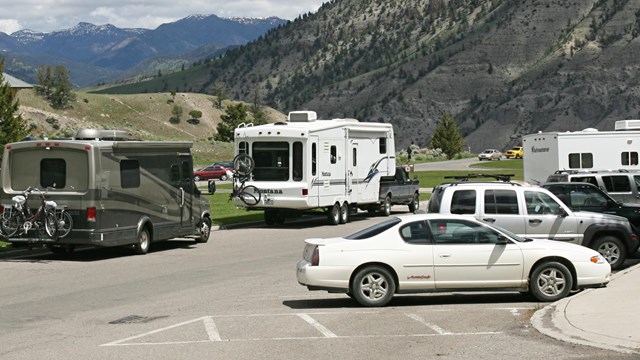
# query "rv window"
(618, 183)
(53, 173)
(175, 175)
(334, 154)
(355, 156)
(313, 159)
(629, 158)
(129, 174)
(383, 145)
(272, 161)
(297, 161)
(581, 161)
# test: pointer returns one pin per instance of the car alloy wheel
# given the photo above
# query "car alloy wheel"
(373, 286)
(612, 250)
(550, 281)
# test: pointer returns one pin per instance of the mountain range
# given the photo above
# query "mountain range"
(102, 53)
(502, 68)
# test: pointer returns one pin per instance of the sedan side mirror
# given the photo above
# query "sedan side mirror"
(502, 240)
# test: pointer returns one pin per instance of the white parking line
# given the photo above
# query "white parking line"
(212, 329)
(326, 332)
(433, 327)
(118, 342)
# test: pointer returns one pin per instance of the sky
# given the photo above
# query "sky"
(51, 15)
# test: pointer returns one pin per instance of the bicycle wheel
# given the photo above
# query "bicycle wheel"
(243, 164)
(249, 195)
(65, 223)
(11, 224)
(50, 224)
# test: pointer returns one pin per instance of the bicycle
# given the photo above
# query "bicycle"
(18, 218)
(243, 165)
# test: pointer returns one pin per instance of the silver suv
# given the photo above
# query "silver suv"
(534, 212)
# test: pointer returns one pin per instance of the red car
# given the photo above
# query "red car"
(211, 172)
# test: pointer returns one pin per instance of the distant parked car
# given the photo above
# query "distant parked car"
(227, 164)
(211, 172)
(490, 154)
(515, 152)
(435, 252)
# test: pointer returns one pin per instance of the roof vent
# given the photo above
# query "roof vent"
(95, 134)
(302, 116)
(588, 130)
(626, 125)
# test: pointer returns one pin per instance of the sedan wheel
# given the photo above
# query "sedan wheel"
(223, 177)
(612, 250)
(196, 178)
(373, 286)
(550, 281)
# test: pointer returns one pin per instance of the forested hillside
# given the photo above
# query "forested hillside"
(501, 68)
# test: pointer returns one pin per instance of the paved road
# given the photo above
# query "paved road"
(236, 297)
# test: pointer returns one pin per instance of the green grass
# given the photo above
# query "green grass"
(429, 179)
(516, 164)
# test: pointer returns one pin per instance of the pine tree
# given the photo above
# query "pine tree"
(233, 116)
(61, 96)
(12, 126)
(447, 137)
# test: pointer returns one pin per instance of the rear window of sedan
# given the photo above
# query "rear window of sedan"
(374, 229)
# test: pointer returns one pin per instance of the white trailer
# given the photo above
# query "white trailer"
(586, 150)
(306, 163)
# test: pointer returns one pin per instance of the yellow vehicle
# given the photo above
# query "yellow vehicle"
(515, 152)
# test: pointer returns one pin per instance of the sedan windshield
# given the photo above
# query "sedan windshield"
(374, 229)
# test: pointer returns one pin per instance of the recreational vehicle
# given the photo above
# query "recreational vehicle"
(306, 163)
(118, 191)
(586, 150)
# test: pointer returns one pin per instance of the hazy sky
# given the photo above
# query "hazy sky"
(52, 15)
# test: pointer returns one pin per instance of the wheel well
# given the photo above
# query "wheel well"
(607, 232)
(383, 265)
(561, 260)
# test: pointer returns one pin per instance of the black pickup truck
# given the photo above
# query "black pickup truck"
(399, 190)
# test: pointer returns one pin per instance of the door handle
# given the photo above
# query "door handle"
(490, 220)
(445, 255)
(535, 221)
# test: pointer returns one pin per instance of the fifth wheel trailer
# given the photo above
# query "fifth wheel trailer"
(586, 150)
(307, 163)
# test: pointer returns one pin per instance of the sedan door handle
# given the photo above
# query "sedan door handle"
(445, 255)
(490, 220)
(535, 221)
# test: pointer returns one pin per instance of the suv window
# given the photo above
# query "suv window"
(463, 202)
(501, 202)
(617, 183)
(587, 179)
(539, 203)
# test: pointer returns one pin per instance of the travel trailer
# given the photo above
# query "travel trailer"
(586, 150)
(306, 163)
(118, 191)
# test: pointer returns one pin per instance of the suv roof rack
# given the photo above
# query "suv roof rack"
(499, 177)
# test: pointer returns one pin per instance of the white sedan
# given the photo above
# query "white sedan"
(432, 252)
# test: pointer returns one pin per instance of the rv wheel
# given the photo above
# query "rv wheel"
(269, 217)
(344, 213)
(204, 231)
(334, 214)
(142, 247)
(386, 206)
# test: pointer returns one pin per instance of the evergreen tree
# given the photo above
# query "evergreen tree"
(45, 82)
(219, 90)
(12, 126)
(176, 111)
(447, 137)
(233, 116)
(61, 95)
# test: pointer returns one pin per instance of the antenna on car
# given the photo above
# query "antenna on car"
(499, 177)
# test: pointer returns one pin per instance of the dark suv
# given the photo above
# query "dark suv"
(588, 197)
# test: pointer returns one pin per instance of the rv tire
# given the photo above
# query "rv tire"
(333, 214)
(386, 206)
(344, 213)
(269, 217)
(204, 231)
(144, 241)
(62, 249)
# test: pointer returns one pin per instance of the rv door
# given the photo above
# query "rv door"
(187, 187)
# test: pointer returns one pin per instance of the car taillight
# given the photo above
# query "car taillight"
(91, 214)
(315, 257)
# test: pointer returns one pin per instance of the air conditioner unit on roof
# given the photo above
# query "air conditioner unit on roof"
(302, 116)
(625, 125)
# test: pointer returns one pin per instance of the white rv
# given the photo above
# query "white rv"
(306, 163)
(586, 150)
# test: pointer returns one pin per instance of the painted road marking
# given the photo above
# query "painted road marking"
(433, 327)
(313, 322)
